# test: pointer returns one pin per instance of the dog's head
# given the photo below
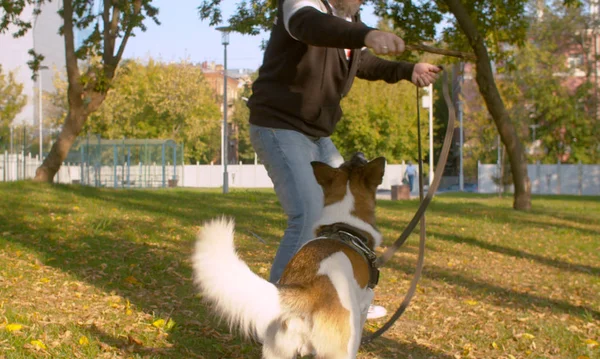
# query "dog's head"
(349, 191)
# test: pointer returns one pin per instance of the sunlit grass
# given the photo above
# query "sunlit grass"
(100, 273)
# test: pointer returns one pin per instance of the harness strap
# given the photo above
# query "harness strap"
(352, 240)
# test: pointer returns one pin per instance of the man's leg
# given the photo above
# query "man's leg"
(287, 155)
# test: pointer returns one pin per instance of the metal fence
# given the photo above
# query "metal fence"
(99, 162)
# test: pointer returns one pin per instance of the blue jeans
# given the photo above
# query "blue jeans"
(411, 180)
(287, 155)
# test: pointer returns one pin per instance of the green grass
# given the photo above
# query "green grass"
(100, 273)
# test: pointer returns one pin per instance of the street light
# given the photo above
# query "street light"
(533, 128)
(225, 41)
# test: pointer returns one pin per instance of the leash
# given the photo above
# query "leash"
(420, 214)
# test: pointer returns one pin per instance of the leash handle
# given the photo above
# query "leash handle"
(439, 171)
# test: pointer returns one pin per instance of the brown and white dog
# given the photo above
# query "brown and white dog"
(320, 304)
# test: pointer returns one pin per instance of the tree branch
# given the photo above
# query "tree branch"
(75, 87)
(137, 7)
(434, 50)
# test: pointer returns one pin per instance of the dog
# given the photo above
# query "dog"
(320, 304)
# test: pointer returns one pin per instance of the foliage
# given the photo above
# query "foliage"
(113, 266)
(158, 100)
(112, 25)
(241, 113)
(56, 104)
(380, 120)
(12, 101)
(535, 91)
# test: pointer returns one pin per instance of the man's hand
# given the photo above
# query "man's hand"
(384, 43)
(425, 74)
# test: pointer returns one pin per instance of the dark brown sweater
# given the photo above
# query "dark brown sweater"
(305, 72)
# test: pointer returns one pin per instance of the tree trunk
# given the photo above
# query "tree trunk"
(60, 149)
(495, 106)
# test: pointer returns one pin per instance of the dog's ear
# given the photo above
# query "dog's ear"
(374, 171)
(323, 173)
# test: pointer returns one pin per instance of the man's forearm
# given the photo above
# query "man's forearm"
(374, 68)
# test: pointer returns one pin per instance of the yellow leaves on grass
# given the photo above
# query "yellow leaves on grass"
(38, 344)
(128, 310)
(13, 327)
(162, 324)
(591, 343)
(525, 335)
(83, 340)
(471, 302)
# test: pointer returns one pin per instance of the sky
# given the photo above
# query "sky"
(182, 35)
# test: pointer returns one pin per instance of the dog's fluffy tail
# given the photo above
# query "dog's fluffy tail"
(248, 302)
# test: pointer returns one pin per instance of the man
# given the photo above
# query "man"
(411, 171)
(315, 51)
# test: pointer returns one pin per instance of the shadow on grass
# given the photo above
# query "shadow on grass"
(478, 210)
(571, 267)
(498, 295)
(162, 271)
(386, 348)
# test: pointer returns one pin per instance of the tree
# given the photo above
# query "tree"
(242, 127)
(156, 100)
(539, 89)
(102, 50)
(379, 120)
(480, 26)
(12, 101)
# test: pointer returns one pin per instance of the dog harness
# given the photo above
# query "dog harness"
(350, 237)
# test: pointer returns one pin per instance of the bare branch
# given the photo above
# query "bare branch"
(137, 7)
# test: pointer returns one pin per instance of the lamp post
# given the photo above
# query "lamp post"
(533, 128)
(225, 41)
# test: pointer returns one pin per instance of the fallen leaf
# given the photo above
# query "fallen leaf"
(133, 340)
(159, 323)
(13, 327)
(525, 335)
(494, 345)
(471, 302)
(591, 343)
(38, 344)
(84, 340)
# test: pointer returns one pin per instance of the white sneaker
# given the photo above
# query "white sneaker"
(376, 311)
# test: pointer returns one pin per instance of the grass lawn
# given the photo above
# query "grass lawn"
(101, 273)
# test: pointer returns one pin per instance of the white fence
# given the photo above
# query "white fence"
(255, 176)
(545, 179)
(17, 167)
(548, 179)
